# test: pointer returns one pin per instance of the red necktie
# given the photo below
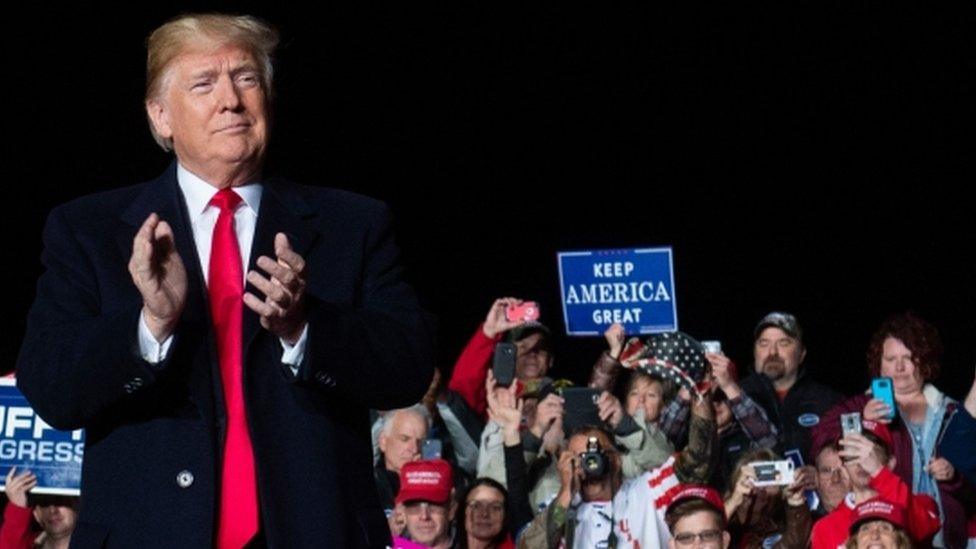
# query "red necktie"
(238, 520)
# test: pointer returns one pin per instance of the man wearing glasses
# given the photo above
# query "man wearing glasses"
(696, 518)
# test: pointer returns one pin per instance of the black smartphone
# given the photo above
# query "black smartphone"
(580, 407)
(503, 363)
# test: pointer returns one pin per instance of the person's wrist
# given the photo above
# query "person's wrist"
(731, 389)
(159, 327)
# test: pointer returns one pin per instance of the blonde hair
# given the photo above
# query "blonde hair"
(178, 35)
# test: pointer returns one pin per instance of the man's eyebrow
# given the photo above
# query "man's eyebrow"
(203, 73)
(244, 67)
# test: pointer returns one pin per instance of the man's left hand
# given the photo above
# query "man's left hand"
(283, 309)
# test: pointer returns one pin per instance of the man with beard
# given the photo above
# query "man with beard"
(781, 385)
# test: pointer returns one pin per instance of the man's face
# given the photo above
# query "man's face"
(833, 482)
(699, 529)
(645, 393)
(427, 523)
(532, 361)
(484, 513)
(897, 363)
(778, 355)
(57, 520)
(213, 106)
(404, 442)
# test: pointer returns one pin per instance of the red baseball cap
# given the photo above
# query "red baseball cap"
(879, 430)
(878, 509)
(699, 491)
(429, 480)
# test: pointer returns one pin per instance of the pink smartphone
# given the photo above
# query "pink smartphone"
(527, 311)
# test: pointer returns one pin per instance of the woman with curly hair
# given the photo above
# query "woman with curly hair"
(908, 349)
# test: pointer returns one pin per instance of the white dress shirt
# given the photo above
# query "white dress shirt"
(203, 218)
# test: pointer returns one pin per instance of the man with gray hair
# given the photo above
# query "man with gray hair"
(219, 332)
(401, 440)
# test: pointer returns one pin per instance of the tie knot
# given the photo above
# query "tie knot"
(226, 199)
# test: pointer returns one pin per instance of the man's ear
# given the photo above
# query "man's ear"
(892, 461)
(159, 116)
(803, 354)
(381, 442)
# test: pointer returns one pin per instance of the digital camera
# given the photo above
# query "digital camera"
(594, 461)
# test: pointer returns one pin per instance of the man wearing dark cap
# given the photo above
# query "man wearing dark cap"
(781, 385)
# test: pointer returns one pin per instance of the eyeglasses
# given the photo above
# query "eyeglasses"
(493, 507)
(707, 537)
(424, 507)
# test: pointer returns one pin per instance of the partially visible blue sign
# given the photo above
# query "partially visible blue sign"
(30, 444)
(633, 287)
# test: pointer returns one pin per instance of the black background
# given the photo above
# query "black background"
(809, 158)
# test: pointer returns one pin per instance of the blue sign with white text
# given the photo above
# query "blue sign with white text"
(633, 287)
(28, 443)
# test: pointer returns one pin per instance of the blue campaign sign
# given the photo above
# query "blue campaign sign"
(633, 287)
(27, 442)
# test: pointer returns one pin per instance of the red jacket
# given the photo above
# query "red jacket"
(833, 530)
(471, 370)
(16, 530)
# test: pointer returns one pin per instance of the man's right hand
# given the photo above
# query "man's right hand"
(17, 486)
(496, 322)
(157, 271)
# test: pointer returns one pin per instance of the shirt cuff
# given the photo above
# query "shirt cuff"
(294, 354)
(152, 351)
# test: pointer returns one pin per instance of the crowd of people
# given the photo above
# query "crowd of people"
(219, 418)
(655, 463)
(480, 463)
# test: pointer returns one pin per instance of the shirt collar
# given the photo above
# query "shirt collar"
(198, 192)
